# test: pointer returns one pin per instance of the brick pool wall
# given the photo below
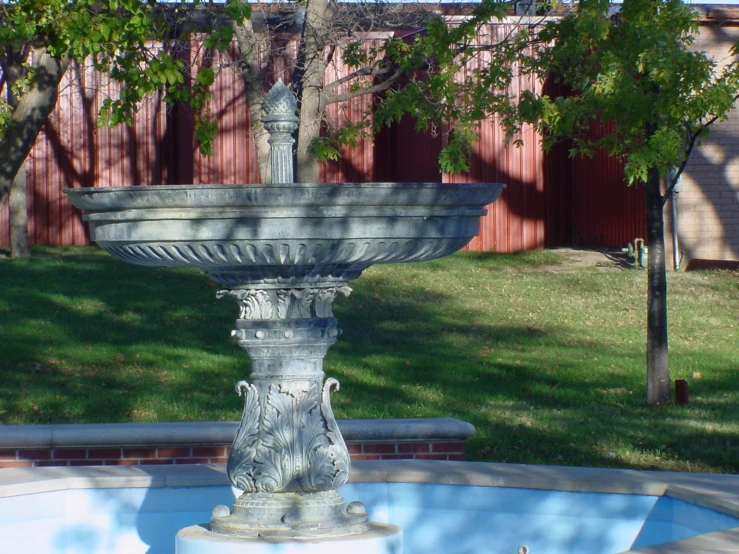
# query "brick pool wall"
(199, 454)
(210, 442)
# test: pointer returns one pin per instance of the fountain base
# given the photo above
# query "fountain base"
(379, 538)
(288, 516)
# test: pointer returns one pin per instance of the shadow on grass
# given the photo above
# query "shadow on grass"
(89, 338)
(86, 338)
(565, 401)
(506, 261)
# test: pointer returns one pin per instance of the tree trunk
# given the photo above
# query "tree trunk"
(253, 78)
(658, 370)
(33, 108)
(308, 81)
(20, 246)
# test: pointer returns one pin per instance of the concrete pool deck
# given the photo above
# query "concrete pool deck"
(714, 491)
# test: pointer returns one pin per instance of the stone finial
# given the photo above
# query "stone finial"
(280, 121)
(280, 101)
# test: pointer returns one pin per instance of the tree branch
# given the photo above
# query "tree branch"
(29, 115)
(688, 150)
(374, 89)
(363, 72)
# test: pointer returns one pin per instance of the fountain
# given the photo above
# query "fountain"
(284, 252)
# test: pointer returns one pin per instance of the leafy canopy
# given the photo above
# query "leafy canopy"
(455, 75)
(638, 87)
(126, 39)
(637, 72)
(635, 83)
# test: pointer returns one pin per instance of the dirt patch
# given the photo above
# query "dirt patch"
(573, 258)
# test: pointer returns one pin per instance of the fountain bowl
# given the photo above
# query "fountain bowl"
(279, 234)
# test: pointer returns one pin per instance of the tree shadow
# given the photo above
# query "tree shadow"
(391, 355)
(93, 339)
(707, 213)
(551, 199)
(94, 305)
(465, 519)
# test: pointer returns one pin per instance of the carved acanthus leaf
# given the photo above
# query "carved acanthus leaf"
(304, 302)
(279, 442)
(337, 448)
(240, 462)
(321, 470)
(285, 303)
(326, 297)
(296, 446)
(253, 304)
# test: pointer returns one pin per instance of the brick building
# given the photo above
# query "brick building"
(708, 204)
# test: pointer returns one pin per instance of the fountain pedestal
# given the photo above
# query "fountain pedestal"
(288, 455)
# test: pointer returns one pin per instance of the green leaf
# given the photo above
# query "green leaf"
(237, 11)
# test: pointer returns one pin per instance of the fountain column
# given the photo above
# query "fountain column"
(288, 455)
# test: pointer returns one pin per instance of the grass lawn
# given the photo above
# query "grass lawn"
(546, 361)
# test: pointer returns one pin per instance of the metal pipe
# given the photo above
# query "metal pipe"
(673, 183)
(675, 251)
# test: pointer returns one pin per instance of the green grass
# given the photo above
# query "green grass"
(549, 365)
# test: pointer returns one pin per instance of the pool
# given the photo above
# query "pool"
(451, 507)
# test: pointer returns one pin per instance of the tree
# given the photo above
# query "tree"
(329, 32)
(637, 73)
(637, 89)
(37, 42)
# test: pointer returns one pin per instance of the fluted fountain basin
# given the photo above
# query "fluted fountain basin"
(243, 234)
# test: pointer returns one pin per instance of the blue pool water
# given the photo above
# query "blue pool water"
(435, 518)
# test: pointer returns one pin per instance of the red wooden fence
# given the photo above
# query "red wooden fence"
(550, 199)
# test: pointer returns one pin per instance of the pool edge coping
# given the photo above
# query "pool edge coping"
(172, 434)
(719, 492)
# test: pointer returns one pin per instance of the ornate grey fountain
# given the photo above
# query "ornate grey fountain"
(285, 252)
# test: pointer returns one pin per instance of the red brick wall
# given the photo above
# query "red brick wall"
(381, 450)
